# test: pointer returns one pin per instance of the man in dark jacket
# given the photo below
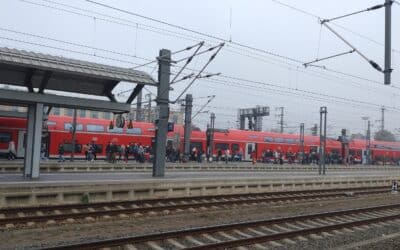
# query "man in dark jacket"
(61, 153)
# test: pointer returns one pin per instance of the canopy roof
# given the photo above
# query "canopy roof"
(43, 71)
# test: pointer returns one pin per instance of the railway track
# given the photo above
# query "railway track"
(259, 234)
(32, 216)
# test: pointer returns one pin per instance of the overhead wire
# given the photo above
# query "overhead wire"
(253, 50)
(129, 55)
(352, 76)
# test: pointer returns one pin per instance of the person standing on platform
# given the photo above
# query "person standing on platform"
(43, 152)
(108, 152)
(254, 157)
(227, 155)
(127, 149)
(61, 153)
(199, 156)
(219, 154)
(12, 153)
(86, 150)
(94, 150)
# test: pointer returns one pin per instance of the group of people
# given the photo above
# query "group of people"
(312, 157)
(90, 150)
(116, 152)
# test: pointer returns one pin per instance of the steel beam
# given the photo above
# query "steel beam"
(28, 79)
(45, 81)
(26, 98)
(188, 125)
(322, 140)
(134, 93)
(388, 41)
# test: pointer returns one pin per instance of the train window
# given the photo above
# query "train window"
(107, 115)
(222, 146)
(55, 111)
(68, 148)
(268, 139)
(5, 137)
(94, 128)
(134, 131)
(82, 113)
(235, 147)
(68, 126)
(279, 140)
(51, 123)
(94, 114)
(68, 112)
(116, 130)
(290, 141)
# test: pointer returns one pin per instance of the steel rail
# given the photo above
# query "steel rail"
(62, 207)
(227, 227)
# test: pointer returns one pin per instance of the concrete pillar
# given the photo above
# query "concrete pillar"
(33, 141)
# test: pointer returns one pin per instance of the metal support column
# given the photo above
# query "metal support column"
(212, 127)
(368, 151)
(73, 135)
(322, 140)
(139, 115)
(148, 96)
(164, 62)
(388, 40)
(33, 140)
(302, 141)
(188, 125)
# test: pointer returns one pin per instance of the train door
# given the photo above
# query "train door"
(250, 147)
(21, 143)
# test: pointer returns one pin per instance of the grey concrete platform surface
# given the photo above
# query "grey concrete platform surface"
(130, 177)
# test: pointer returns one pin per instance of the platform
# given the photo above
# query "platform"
(59, 188)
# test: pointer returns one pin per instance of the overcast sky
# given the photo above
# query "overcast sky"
(266, 25)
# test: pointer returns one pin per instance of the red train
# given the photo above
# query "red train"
(58, 131)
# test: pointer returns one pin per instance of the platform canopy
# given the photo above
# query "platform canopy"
(39, 72)
(43, 71)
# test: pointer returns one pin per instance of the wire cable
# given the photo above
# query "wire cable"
(186, 36)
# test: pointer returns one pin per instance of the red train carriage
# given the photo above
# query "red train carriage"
(58, 131)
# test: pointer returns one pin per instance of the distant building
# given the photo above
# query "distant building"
(149, 115)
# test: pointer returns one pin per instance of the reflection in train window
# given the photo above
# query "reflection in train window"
(235, 148)
(268, 139)
(94, 128)
(222, 146)
(68, 148)
(68, 126)
(134, 131)
(116, 130)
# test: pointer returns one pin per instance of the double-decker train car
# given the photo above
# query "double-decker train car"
(57, 130)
